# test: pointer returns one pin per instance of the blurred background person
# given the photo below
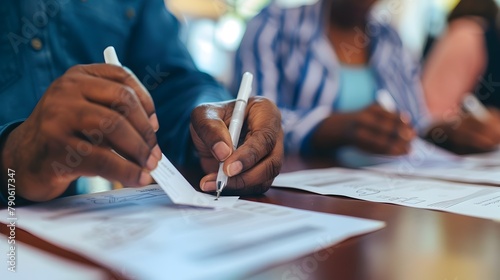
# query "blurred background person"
(466, 60)
(324, 64)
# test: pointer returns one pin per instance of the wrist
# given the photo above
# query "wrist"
(333, 133)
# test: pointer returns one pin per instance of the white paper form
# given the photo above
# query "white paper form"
(181, 192)
(465, 171)
(432, 162)
(485, 159)
(471, 200)
(32, 263)
(144, 233)
(421, 154)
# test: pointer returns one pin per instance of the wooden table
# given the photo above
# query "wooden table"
(415, 244)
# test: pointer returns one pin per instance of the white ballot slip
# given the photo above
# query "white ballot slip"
(470, 200)
(181, 192)
(144, 235)
(32, 263)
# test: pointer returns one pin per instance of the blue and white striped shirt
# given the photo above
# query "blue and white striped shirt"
(295, 66)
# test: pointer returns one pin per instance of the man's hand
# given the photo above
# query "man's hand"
(257, 161)
(372, 130)
(83, 116)
(468, 135)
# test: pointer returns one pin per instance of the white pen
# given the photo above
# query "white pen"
(472, 105)
(385, 99)
(110, 56)
(236, 124)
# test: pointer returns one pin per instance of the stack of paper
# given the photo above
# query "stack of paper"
(145, 234)
(142, 232)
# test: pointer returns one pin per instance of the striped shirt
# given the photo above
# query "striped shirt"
(296, 67)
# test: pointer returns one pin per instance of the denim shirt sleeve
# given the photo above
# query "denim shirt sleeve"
(5, 129)
(162, 63)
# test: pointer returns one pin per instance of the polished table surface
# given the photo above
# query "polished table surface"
(415, 244)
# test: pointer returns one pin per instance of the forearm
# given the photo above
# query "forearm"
(453, 67)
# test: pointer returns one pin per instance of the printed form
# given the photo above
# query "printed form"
(429, 161)
(143, 234)
(471, 200)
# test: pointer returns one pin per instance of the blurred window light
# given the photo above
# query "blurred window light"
(229, 32)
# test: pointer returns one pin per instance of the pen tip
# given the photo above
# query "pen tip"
(218, 196)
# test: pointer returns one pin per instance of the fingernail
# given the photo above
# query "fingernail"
(234, 168)
(152, 162)
(221, 151)
(157, 152)
(406, 118)
(145, 179)
(153, 120)
(209, 186)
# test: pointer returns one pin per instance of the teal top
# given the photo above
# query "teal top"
(358, 86)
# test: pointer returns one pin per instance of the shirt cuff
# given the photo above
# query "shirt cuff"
(5, 130)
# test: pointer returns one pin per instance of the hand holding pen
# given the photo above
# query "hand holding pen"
(251, 167)
(73, 129)
(476, 131)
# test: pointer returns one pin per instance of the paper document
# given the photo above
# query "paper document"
(429, 161)
(180, 191)
(32, 263)
(485, 159)
(465, 171)
(427, 154)
(143, 233)
(471, 200)
(422, 153)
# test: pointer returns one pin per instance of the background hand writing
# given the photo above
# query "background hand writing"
(372, 130)
(468, 135)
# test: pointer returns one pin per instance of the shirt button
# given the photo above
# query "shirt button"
(36, 44)
(130, 13)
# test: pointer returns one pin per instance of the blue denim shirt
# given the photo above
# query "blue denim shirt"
(41, 39)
